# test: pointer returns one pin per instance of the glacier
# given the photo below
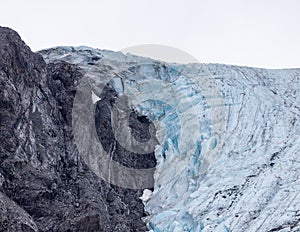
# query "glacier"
(227, 139)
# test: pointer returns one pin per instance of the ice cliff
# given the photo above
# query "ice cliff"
(228, 153)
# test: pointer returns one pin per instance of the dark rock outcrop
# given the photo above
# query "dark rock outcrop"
(45, 185)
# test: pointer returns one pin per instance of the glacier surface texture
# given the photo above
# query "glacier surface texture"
(228, 139)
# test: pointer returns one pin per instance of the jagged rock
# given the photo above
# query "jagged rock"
(13, 217)
(39, 162)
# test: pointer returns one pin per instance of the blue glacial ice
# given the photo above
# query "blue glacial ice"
(229, 137)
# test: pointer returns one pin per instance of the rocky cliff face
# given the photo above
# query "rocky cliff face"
(45, 185)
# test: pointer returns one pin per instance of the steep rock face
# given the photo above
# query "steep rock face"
(43, 179)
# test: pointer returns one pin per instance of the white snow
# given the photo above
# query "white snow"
(95, 98)
(147, 194)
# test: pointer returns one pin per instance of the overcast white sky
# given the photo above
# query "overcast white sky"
(259, 33)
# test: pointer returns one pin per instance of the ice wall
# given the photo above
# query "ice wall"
(227, 158)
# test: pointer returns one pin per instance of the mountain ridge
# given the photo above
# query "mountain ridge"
(237, 170)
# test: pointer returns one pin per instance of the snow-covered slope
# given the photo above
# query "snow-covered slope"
(228, 139)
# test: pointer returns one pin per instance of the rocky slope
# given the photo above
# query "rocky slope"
(45, 184)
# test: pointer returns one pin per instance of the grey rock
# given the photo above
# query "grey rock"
(13, 217)
(46, 185)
